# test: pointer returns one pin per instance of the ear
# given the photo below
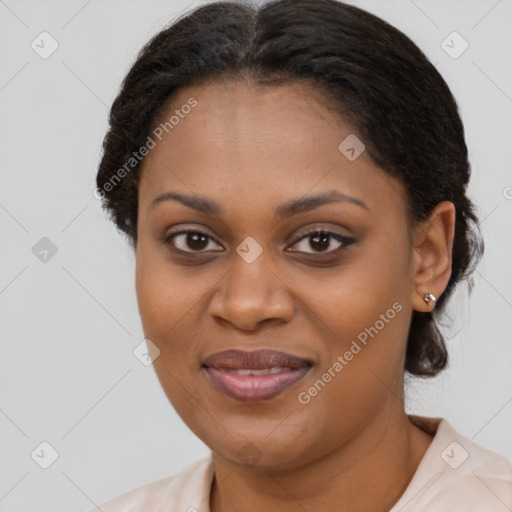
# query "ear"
(432, 257)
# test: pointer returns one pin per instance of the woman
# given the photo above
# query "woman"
(293, 180)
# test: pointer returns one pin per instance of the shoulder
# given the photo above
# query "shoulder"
(457, 474)
(184, 491)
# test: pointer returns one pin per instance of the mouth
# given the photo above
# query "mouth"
(254, 376)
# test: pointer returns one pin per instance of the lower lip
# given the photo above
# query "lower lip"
(253, 388)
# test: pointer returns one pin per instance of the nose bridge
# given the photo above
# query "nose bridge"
(250, 292)
(250, 284)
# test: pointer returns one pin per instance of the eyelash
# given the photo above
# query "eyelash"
(344, 240)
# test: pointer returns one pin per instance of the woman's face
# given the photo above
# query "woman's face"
(260, 168)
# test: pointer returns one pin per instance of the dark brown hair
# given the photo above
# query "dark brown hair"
(372, 73)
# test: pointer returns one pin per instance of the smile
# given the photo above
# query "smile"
(254, 376)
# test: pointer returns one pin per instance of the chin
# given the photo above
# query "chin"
(261, 448)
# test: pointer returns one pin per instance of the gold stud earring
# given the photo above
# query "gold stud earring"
(429, 299)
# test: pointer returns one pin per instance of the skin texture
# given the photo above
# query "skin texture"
(250, 149)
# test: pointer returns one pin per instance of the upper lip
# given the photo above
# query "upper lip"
(254, 360)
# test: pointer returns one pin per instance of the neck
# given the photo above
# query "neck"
(371, 473)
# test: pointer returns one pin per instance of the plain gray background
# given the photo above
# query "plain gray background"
(69, 325)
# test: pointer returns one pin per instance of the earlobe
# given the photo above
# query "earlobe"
(430, 300)
(433, 245)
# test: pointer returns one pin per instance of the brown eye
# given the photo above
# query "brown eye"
(191, 241)
(320, 241)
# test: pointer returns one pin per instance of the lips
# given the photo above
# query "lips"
(253, 376)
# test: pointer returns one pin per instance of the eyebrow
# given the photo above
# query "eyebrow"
(288, 209)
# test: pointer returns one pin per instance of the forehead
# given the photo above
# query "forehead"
(258, 142)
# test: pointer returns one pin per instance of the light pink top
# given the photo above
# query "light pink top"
(455, 475)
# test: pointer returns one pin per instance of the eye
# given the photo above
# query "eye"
(321, 240)
(191, 241)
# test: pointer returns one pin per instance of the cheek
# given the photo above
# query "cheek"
(366, 317)
(165, 296)
(354, 297)
(165, 310)
(157, 300)
(170, 302)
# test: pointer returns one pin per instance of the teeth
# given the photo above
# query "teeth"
(264, 371)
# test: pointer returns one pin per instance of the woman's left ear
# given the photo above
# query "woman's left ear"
(432, 265)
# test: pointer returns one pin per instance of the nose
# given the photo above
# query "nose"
(250, 294)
